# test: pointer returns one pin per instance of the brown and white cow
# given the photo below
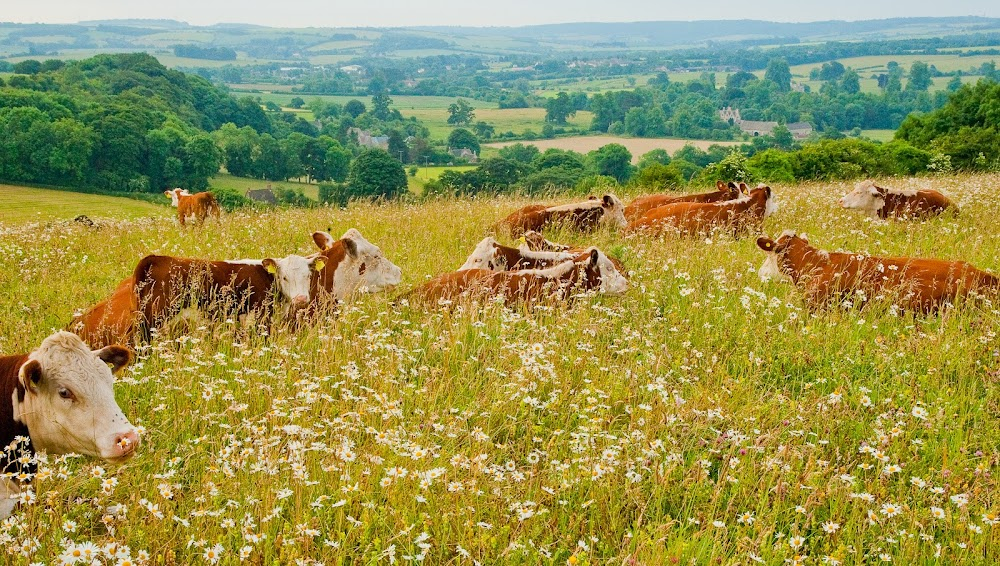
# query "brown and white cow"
(354, 265)
(896, 203)
(198, 205)
(741, 216)
(60, 397)
(590, 271)
(494, 256)
(165, 285)
(111, 321)
(833, 277)
(536, 242)
(586, 215)
(724, 191)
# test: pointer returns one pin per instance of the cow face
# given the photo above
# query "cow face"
(364, 268)
(772, 268)
(293, 276)
(595, 263)
(614, 211)
(483, 257)
(67, 401)
(770, 204)
(174, 195)
(865, 196)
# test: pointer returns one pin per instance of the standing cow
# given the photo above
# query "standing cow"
(60, 398)
(896, 203)
(586, 215)
(199, 205)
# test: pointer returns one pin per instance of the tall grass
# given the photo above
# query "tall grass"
(704, 416)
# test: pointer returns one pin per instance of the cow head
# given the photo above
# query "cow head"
(600, 272)
(731, 190)
(175, 195)
(483, 257)
(866, 196)
(293, 276)
(536, 242)
(774, 266)
(763, 192)
(356, 265)
(614, 211)
(65, 398)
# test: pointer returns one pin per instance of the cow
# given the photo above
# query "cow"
(164, 285)
(111, 321)
(199, 205)
(536, 242)
(694, 218)
(833, 277)
(724, 191)
(591, 270)
(586, 215)
(354, 265)
(494, 256)
(60, 398)
(883, 203)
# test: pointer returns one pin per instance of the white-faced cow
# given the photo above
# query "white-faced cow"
(60, 398)
(896, 203)
(586, 215)
(494, 256)
(164, 285)
(910, 283)
(198, 205)
(354, 265)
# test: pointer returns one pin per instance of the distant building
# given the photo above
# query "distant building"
(353, 69)
(799, 130)
(463, 153)
(366, 139)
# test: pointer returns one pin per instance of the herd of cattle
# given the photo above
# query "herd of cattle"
(61, 393)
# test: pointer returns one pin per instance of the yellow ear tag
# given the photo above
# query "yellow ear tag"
(769, 245)
(319, 265)
(271, 268)
(521, 240)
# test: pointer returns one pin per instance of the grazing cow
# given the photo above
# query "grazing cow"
(60, 398)
(494, 256)
(355, 265)
(896, 203)
(111, 321)
(910, 283)
(586, 215)
(199, 205)
(164, 285)
(591, 270)
(724, 191)
(692, 218)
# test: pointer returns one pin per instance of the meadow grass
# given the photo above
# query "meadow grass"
(703, 417)
(25, 204)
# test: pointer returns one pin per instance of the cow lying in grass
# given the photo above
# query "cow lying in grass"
(896, 203)
(60, 398)
(354, 265)
(739, 217)
(835, 277)
(724, 191)
(590, 271)
(586, 215)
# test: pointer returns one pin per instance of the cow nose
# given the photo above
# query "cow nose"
(300, 301)
(127, 442)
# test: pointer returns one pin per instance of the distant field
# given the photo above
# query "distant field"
(637, 146)
(25, 204)
(879, 135)
(425, 174)
(243, 184)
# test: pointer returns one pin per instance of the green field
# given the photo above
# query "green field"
(879, 135)
(243, 184)
(704, 417)
(24, 204)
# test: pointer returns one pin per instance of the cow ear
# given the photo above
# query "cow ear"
(115, 356)
(351, 247)
(766, 244)
(720, 185)
(607, 201)
(323, 240)
(595, 256)
(31, 375)
(270, 265)
(877, 191)
(167, 194)
(318, 264)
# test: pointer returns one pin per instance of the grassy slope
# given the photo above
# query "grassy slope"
(23, 204)
(643, 425)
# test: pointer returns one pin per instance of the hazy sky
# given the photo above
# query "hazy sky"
(395, 13)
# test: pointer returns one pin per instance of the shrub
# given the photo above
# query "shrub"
(772, 166)
(375, 173)
(659, 176)
(231, 199)
(335, 194)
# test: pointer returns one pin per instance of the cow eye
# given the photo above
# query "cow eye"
(66, 394)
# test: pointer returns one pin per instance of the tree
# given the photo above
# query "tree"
(831, 71)
(483, 130)
(520, 152)
(920, 77)
(296, 103)
(397, 146)
(559, 108)
(380, 106)
(28, 67)
(460, 112)
(955, 83)
(612, 160)
(850, 82)
(203, 159)
(779, 73)
(782, 137)
(355, 108)
(462, 138)
(375, 173)
(659, 156)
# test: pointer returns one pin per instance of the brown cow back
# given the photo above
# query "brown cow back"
(111, 321)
